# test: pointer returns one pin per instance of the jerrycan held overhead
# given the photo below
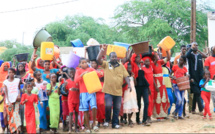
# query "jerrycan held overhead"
(47, 50)
(92, 82)
(167, 43)
(119, 50)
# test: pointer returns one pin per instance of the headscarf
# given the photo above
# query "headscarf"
(3, 73)
(147, 57)
(135, 67)
(37, 63)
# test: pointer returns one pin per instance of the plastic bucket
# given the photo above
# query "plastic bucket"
(93, 51)
(22, 57)
(1, 61)
(77, 43)
(140, 48)
(73, 60)
(122, 44)
(41, 36)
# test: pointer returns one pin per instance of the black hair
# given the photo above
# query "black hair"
(184, 58)
(182, 46)
(112, 53)
(71, 69)
(47, 61)
(95, 61)
(35, 73)
(28, 83)
(17, 68)
(82, 59)
(12, 69)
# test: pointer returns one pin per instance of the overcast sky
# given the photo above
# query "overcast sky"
(14, 24)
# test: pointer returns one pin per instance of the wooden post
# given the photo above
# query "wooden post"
(193, 21)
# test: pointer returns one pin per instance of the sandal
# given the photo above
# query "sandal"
(87, 131)
(131, 124)
(210, 118)
(95, 129)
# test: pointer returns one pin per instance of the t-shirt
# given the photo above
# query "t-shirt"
(210, 62)
(202, 81)
(73, 95)
(113, 78)
(178, 72)
(166, 79)
(41, 90)
(44, 76)
(12, 89)
(55, 89)
(79, 79)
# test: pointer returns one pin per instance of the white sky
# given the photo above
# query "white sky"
(13, 25)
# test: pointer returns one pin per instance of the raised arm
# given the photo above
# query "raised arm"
(101, 53)
(33, 57)
(203, 54)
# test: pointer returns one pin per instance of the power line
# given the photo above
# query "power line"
(24, 9)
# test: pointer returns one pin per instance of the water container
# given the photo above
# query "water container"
(92, 82)
(167, 43)
(92, 42)
(120, 51)
(141, 48)
(77, 43)
(73, 60)
(164, 53)
(122, 44)
(47, 50)
(22, 57)
(56, 52)
(1, 61)
(41, 36)
(92, 52)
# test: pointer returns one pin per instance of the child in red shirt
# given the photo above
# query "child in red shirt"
(179, 71)
(100, 96)
(86, 100)
(73, 98)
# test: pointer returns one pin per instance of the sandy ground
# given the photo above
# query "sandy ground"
(194, 124)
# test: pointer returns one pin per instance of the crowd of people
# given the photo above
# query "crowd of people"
(41, 94)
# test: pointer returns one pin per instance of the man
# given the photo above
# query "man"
(183, 53)
(114, 73)
(194, 57)
(210, 66)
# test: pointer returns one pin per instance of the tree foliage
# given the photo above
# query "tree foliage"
(154, 19)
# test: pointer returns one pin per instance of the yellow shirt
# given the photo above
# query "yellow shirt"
(113, 78)
(166, 79)
(2, 104)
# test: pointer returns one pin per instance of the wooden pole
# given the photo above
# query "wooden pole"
(191, 23)
(194, 20)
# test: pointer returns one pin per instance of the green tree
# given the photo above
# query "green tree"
(155, 19)
(84, 28)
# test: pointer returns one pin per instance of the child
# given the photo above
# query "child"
(54, 102)
(86, 100)
(179, 71)
(73, 98)
(2, 110)
(205, 94)
(42, 93)
(100, 96)
(130, 100)
(148, 71)
(12, 92)
(29, 99)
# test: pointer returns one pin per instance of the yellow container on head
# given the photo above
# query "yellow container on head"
(167, 43)
(92, 82)
(119, 50)
(47, 50)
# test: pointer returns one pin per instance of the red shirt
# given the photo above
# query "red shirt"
(79, 79)
(210, 62)
(73, 95)
(149, 76)
(178, 72)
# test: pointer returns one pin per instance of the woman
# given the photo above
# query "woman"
(142, 88)
(46, 71)
(12, 91)
(4, 72)
(161, 97)
(21, 72)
